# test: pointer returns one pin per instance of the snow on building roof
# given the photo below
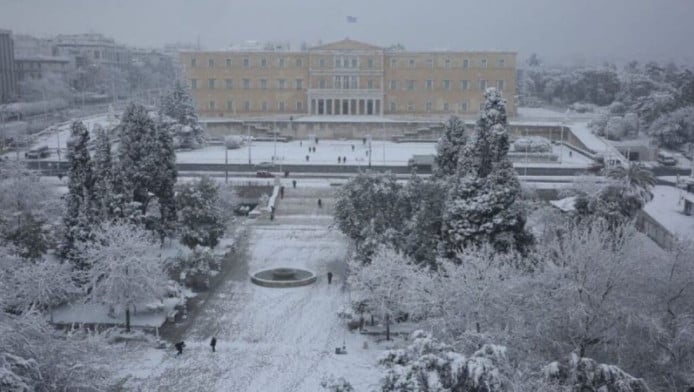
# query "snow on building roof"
(566, 204)
(667, 208)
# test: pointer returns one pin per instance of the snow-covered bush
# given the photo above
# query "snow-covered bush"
(233, 142)
(178, 105)
(586, 374)
(674, 129)
(429, 365)
(338, 384)
(195, 268)
(532, 144)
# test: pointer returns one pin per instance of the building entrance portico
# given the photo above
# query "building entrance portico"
(357, 106)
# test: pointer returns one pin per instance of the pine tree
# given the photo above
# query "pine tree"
(79, 215)
(199, 216)
(164, 181)
(450, 147)
(178, 104)
(137, 159)
(103, 173)
(481, 206)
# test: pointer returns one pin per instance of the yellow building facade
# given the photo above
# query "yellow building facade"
(346, 78)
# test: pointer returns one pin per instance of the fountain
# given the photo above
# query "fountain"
(283, 277)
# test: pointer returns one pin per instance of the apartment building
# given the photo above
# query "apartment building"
(346, 78)
(8, 74)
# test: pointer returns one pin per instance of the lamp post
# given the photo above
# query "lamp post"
(226, 163)
(248, 138)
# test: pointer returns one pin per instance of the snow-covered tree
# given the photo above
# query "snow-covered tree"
(103, 172)
(178, 105)
(674, 129)
(30, 238)
(80, 211)
(481, 205)
(635, 178)
(339, 384)
(583, 374)
(200, 221)
(429, 365)
(390, 285)
(164, 181)
(449, 147)
(138, 156)
(127, 269)
(423, 202)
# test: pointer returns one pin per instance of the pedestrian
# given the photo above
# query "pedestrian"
(366, 153)
(309, 148)
(344, 159)
(282, 192)
(363, 141)
(570, 152)
(301, 143)
(339, 159)
(352, 147)
(316, 141)
(306, 158)
(320, 203)
(330, 277)
(286, 173)
(213, 343)
(179, 347)
(272, 216)
(294, 184)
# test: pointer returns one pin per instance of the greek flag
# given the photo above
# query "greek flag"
(351, 19)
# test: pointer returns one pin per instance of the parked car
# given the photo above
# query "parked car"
(264, 174)
(265, 165)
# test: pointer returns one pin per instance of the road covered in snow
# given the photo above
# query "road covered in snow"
(270, 339)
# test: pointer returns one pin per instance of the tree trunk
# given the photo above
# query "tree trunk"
(387, 326)
(127, 319)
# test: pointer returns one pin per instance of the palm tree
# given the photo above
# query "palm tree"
(636, 178)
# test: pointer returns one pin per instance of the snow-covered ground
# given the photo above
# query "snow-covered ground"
(270, 339)
(667, 208)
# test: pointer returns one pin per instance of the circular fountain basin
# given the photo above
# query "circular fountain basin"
(283, 277)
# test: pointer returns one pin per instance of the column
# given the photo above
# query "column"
(349, 106)
(339, 106)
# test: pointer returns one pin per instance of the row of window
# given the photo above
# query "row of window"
(350, 82)
(347, 62)
(282, 84)
(445, 84)
(248, 106)
(282, 106)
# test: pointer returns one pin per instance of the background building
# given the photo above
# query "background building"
(8, 75)
(346, 78)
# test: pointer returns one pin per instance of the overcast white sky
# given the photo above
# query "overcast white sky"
(558, 30)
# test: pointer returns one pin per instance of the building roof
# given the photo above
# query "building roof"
(347, 44)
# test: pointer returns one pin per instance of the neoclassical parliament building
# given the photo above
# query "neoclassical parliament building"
(346, 78)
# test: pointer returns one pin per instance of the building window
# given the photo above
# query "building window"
(97, 55)
(500, 63)
(263, 62)
(463, 107)
(446, 84)
(229, 83)
(321, 63)
(464, 84)
(299, 106)
(429, 84)
(410, 106)
(247, 106)
(430, 63)
(210, 63)
(500, 85)
(410, 85)
(280, 62)
(246, 62)
(393, 63)
(299, 63)
(280, 106)
(371, 83)
(428, 106)
(445, 106)
(447, 63)
(393, 107)
(193, 83)
(483, 63)
(281, 84)
(228, 63)
(210, 84)
(412, 63)
(370, 63)
(230, 106)
(338, 62)
(193, 62)
(393, 84)
(263, 84)
(466, 63)
(210, 105)
(355, 62)
(483, 84)
(299, 84)
(246, 84)
(321, 83)
(354, 81)
(263, 106)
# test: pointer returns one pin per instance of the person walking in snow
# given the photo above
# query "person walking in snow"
(213, 343)
(320, 203)
(282, 192)
(330, 277)
(179, 347)
(294, 184)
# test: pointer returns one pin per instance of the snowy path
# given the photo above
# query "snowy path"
(271, 339)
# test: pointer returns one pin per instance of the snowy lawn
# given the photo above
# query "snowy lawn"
(270, 339)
